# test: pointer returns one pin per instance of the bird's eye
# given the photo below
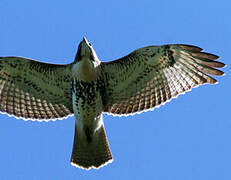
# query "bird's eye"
(89, 44)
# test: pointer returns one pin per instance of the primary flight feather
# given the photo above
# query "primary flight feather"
(140, 81)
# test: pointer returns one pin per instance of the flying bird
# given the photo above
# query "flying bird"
(86, 88)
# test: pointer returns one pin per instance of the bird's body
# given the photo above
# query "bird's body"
(87, 88)
(87, 100)
(88, 107)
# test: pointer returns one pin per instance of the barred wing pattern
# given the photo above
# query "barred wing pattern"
(151, 76)
(34, 90)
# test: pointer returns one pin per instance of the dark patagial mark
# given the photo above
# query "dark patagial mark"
(169, 54)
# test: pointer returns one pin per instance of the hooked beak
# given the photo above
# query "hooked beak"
(85, 40)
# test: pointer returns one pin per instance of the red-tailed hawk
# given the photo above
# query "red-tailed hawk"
(140, 81)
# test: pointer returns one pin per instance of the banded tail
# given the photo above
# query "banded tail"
(93, 153)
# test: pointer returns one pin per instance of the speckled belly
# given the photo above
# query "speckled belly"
(87, 104)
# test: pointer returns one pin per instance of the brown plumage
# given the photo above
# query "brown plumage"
(157, 83)
(91, 154)
(140, 81)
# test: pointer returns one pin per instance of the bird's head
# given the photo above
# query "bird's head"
(85, 50)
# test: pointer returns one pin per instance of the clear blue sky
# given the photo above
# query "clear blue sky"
(187, 139)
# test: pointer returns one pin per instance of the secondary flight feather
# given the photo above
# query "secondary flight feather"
(143, 80)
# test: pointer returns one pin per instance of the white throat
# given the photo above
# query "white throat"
(85, 70)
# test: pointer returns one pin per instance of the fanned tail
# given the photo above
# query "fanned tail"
(91, 153)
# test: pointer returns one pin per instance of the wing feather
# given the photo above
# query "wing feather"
(151, 76)
(33, 90)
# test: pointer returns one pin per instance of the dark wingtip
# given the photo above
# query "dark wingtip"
(205, 55)
(220, 64)
(197, 52)
(224, 65)
(191, 48)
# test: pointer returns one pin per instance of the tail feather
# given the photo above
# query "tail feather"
(95, 153)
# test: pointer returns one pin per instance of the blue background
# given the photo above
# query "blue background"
(186, 139)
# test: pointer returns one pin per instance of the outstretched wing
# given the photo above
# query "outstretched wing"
(34, 90)
(150, 76)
